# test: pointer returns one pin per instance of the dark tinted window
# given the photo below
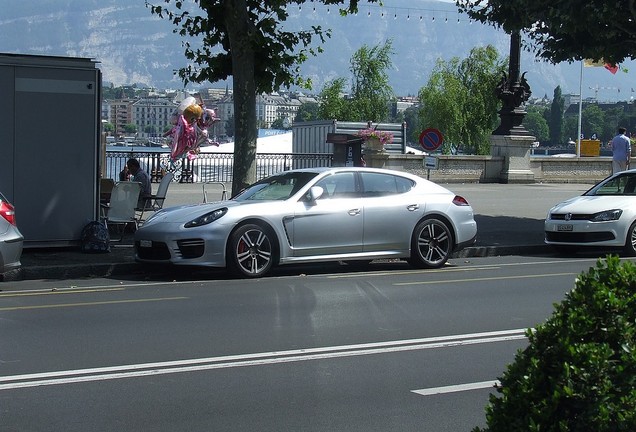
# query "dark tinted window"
(377, 184)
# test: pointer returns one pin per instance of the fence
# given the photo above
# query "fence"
(210, 167)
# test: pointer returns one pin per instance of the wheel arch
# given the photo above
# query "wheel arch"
(443, 218)
(267, 226)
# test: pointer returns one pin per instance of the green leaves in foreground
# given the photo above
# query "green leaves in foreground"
(579, 371)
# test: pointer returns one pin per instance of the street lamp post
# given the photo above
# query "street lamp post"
(511, 141)
(514, 91)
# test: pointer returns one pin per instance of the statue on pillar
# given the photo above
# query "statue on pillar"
(513, 90)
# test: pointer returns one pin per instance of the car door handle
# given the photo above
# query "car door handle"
(412, 207)
(354, 212)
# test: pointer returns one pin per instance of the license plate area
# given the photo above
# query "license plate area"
(145, 243)
(565, 227)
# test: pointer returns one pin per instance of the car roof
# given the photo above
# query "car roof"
(320, 170)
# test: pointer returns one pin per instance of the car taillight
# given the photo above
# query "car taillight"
(7, 212)
(460, 201)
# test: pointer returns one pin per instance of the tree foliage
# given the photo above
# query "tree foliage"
(332, 104)
(578, 372)
(370, 93)
(459, 100)
(244, 39)
(307, 111)
(565, 30)
(370, 88)
(536, 124)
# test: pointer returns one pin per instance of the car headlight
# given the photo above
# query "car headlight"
(609, 215)
(206, 218)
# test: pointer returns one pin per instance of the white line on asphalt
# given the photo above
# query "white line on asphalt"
(267, 358)
(456, 388)
(483, 279)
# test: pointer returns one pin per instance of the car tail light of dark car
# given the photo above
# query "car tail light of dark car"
(460, 201)
(7, 211)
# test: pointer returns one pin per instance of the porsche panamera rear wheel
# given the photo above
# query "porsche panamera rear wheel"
(250, 251)
(431, 245)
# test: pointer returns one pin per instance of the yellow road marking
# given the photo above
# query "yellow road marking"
(90, 304)
(483, 279)
(65, 291)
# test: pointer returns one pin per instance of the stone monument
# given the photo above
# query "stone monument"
(511, 140)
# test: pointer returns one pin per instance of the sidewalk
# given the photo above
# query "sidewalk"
(509, 222)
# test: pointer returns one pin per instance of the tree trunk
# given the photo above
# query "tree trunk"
(240, 33)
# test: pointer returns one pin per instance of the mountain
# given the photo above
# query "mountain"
(134, 46)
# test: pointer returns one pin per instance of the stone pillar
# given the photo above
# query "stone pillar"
(515, 149)
(376, 159)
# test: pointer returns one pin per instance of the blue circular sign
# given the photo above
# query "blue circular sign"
(431, 139)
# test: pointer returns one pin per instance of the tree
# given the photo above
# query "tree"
(307, 111)
(332, 105)
(370, 88)
(556, 117)
(565, 30)
(130, 128)
(459, 100)
(244, 39)
(536, 124)
(592, 121)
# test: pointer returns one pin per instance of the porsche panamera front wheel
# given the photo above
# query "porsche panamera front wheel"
(250, 251)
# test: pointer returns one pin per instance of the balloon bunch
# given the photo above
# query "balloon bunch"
(191, 121)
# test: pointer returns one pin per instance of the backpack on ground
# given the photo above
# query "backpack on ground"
(95, 238)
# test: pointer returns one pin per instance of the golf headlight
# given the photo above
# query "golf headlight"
(206, 218)
(609, 215)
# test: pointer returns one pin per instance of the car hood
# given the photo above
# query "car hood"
(185, 213)
(593, 204)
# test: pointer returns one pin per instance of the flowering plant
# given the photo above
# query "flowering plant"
(370, 133)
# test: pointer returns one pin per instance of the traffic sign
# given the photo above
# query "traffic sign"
(431, 139)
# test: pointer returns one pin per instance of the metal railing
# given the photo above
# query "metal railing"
(209, 167)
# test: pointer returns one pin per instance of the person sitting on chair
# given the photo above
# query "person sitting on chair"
(139, 175)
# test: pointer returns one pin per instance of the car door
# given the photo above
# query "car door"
(390, 212)
(331, 225)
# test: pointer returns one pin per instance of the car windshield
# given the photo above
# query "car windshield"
(621, 185)
(277, 187)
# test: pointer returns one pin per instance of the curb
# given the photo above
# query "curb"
(73, 271)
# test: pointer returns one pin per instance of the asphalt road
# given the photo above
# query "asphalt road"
(388, 349)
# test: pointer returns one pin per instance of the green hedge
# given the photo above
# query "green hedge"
(578, 372)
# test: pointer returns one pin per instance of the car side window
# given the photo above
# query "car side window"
(378, 184)
(339, 185)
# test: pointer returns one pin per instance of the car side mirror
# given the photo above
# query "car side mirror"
(315, 193)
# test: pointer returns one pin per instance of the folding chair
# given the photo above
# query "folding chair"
(121, 208)
(155, 202)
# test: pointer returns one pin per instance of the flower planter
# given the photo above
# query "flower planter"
(374, 144)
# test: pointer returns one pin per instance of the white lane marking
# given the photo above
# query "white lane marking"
(456, 388)
(483, 279)
(267, 358)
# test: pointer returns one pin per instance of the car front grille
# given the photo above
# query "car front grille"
(575, 237)
(191, 248)
(158, 252)
(572, 216)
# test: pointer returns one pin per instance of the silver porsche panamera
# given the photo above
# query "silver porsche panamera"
(314, 215)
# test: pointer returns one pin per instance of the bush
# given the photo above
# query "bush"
(579, 371)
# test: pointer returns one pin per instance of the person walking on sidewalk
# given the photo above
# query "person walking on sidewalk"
(621, 151)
